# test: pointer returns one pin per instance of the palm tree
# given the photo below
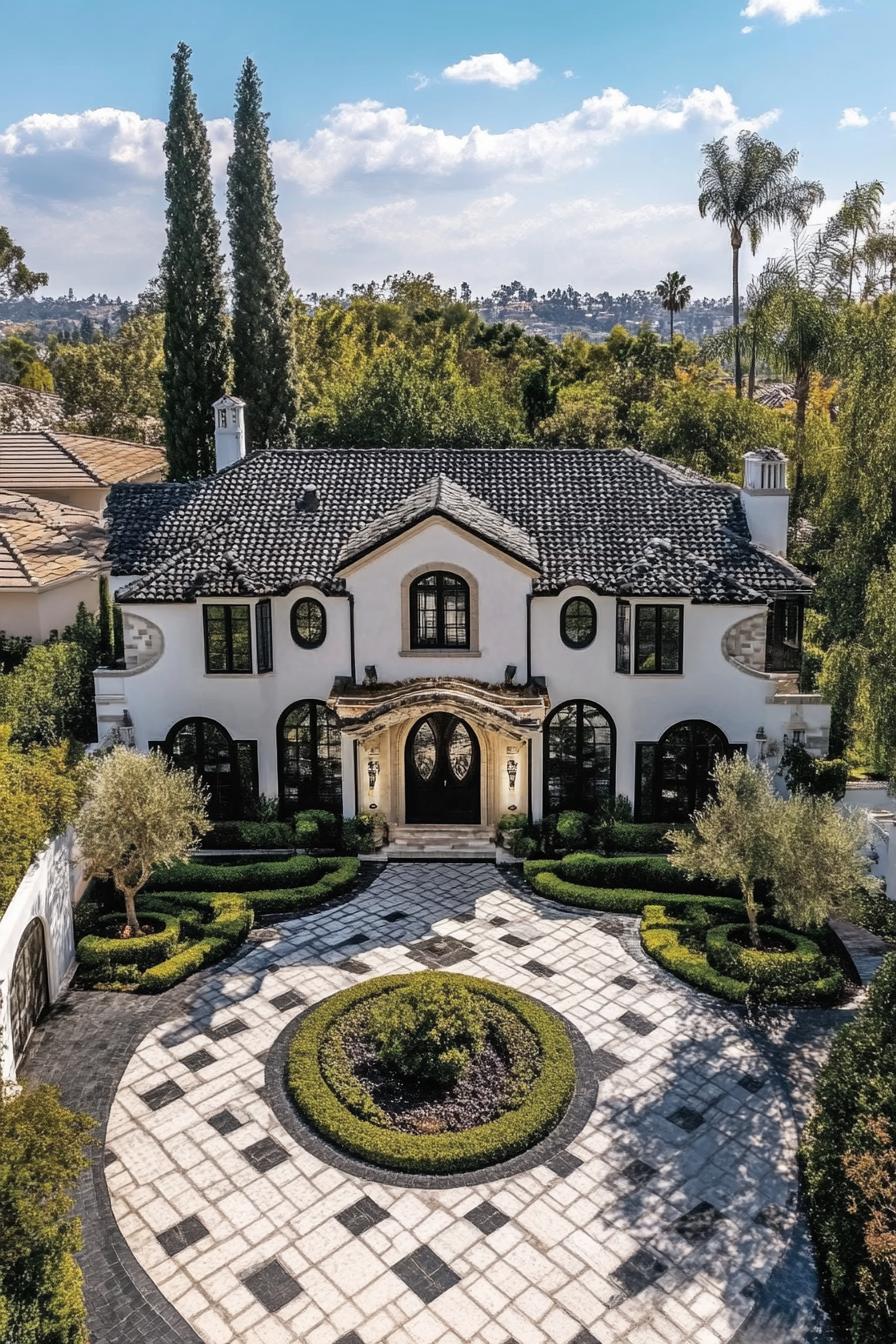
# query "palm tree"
(748, 193)
(674, 295)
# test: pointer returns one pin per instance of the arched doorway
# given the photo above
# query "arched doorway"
(203, 746)
(674, 774)
(442, 772)
(579, 757)
(309, 758)
(29, 990)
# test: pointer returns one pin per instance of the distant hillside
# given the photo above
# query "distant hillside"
(559, 312)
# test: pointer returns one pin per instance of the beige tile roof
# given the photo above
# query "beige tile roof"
(57, 460)
(42, 542)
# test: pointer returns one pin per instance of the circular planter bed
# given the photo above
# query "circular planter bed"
(508, 1087)
(109, 947)
(783, 958)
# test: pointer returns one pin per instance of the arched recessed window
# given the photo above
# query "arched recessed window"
(203, 746)
(308, 623)
(440, 612)
(578, 622)
(309, 758)
(579, 757)
(673, 776)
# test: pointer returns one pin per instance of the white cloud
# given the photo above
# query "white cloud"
(747, 28)
(493, 68)
(788, 11)
(852, 118)
(419, 81)
(364, 138)
(569, 74)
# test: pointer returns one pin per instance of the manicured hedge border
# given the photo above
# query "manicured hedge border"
(481, 1146)
(267, 874)
(648, 872)
(95, 949)
(802, 963)
(543, 876)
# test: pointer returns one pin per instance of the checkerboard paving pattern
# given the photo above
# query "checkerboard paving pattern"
(654, 1225)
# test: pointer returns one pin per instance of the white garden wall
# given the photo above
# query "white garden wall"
(46, 893)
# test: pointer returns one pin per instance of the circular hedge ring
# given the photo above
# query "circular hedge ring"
(802, 963)
(443, 1152)
(96, 948)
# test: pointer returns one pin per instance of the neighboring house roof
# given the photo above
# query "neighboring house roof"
(42, 542)
(23, 409)
(774, 395)
(617, 521)
(57, 460)
(444, 498)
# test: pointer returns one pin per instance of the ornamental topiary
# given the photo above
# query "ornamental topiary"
(726, 950)
(428, 1030)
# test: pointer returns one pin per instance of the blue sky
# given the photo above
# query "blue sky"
(485, 141)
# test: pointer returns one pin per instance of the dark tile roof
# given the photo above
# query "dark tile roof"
(615, 520)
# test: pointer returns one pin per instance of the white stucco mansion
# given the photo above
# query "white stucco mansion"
(446, 634)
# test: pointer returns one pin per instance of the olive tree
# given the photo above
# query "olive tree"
(820, 862)
(734, 835)
(139, 813)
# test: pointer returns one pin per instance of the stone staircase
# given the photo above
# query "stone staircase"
(441, 842)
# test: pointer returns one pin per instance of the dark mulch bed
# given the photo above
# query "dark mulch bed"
(488, 1087)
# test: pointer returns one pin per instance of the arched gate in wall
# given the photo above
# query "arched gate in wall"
(29, 989)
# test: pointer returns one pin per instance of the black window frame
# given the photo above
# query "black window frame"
(624, 637)
(228, 609)
(784, 647)
(416, 587)
(564, 610)
(306, 780)
(658, 608)
(264, 636)
(570, 769)
(302, 642)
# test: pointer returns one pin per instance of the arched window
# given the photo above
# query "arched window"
(308, 623)
(578, 622)
(579, 757)
(673, 776)
(29, 994)
(440, 612)
(203, 746)
(309, 758)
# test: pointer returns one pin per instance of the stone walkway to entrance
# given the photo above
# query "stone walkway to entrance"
(669, 1217)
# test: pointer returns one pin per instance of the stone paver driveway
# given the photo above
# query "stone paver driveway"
(657, 1223)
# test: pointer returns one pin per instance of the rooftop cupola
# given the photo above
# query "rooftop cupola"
(230, 431)
(766, 498)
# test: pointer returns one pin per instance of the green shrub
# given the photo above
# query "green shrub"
(544, 878)
(637, 837)
(779, 969)
(575, 829)
(335, 876)
(666, 941)
(250, 835)
(98, 950)
(849, 1160)
(652, 872)
(316, 829)
(876, 912)
(512, 1133)
(369, 832)
(42, 1155)
(184, 962)
(513, 821)
(428, 1030)
(265, 875)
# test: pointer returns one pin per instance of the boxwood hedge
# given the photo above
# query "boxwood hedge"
(544, 877)
(266, 874)
(467, 1150)
(802, 963)
(97, 949)
(651, 872)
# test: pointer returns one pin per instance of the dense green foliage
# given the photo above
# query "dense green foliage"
(263, 357)
(39, 789)
(849, 1155)
(42, 1154)
(515, 1130)
(250, 835)
(428, 1030)
(196, 363)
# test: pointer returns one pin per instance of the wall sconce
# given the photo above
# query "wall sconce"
(512, 768)
(761, 739)
(373, 770)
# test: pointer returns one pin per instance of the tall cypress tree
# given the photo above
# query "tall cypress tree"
(196, 360)
(263, 361)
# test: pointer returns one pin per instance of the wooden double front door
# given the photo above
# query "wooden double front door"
(442, 772)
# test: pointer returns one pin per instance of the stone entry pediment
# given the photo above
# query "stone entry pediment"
(363, 711)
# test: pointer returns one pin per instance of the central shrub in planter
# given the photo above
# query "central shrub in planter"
(431, 1072)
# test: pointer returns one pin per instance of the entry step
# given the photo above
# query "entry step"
(441, 842)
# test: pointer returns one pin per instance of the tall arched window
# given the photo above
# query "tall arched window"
(440, 611)
(673, 776)
(203, 746)
(579, 757)
(309, 758)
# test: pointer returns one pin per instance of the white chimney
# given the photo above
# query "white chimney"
(766, 498)
(230, 431)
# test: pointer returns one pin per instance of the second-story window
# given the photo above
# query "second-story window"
(578, 622)
(308, 622)
(658, 638)
(228, 638)
(440, 612)
(784, 635)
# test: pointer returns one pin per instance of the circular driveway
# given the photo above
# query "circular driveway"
(657, 1223)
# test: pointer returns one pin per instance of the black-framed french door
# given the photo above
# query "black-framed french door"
(442, 770)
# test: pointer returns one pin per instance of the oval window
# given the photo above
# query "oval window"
(578, 622)
(460, 752)
(308, 622)
(424, 750)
